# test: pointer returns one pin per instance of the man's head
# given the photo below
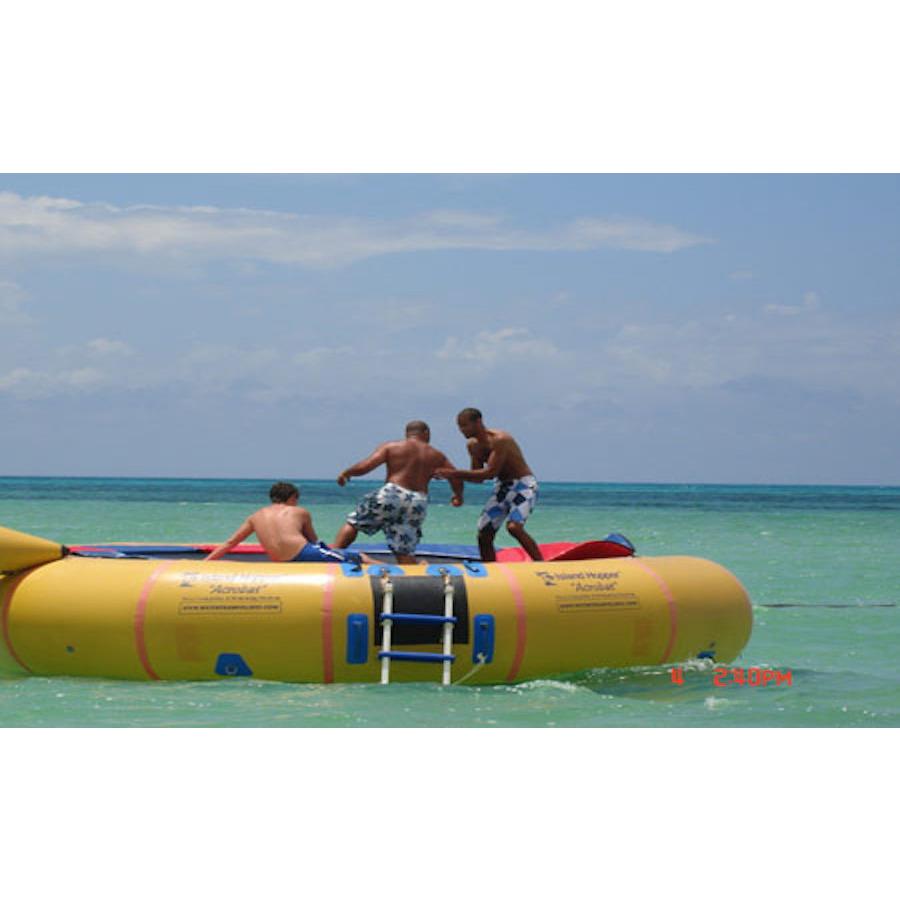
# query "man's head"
(469, 421)
(418, 429)
(283, 492)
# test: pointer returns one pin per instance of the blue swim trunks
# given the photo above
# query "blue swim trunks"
(398, 512)
(320, 552)
(515, 499)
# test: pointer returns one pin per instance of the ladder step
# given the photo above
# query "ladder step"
(408, 656)
(417, 617)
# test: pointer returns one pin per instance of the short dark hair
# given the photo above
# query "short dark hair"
(282, 491)
(470, 414)
(417, 426)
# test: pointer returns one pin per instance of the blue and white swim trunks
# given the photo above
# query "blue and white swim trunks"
(398, 512)
(321, 552)
(515, 499)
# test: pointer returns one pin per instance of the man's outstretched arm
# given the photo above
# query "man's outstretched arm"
(456, 484)
(491, 468)
(241, 534)
(377, 458)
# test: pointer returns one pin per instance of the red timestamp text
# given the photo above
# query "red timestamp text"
(753, 677)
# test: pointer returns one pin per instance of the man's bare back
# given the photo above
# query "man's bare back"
(410, 463)
(283, 530)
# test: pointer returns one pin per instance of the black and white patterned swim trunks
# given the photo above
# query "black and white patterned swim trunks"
(515, 499)
(396, 511)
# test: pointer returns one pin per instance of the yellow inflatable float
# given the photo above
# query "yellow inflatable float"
(138, 612)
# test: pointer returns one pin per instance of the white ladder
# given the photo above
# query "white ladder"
(388, 617)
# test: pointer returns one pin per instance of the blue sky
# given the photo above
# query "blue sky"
(721, 328)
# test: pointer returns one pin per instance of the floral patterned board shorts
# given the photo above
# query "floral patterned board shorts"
(396, 511)
(515, 499)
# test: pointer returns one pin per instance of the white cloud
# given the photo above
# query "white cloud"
(105, 347)
(400, 315)
(629, 234)
(639, 363)
(822, 352)
(321, 358)
(25, 383)
(44, 226)
(459, 219)
(217, 367)
(635, 352)
(810, 303)
(15, 378)
(504, 345)
(83, 378)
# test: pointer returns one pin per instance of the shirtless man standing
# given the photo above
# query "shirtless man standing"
(286, 532)
(495, 454)
(398, 507)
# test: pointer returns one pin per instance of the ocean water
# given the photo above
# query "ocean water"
(821, 565)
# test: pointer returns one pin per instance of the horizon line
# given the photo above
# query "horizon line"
(868, 484)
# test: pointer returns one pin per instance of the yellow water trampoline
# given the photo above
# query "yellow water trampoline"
(160, 612)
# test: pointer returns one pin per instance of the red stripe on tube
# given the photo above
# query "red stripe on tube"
(328, 626)
(673, 609)
(140, 614)
(521, 621)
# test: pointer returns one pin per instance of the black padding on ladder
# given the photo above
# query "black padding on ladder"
(421, 594)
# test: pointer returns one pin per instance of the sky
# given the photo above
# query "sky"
(630, 328)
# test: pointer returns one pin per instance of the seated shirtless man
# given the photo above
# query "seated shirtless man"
(286, 532)
(398, 507)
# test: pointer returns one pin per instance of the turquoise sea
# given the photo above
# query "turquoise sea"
(821, 564)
